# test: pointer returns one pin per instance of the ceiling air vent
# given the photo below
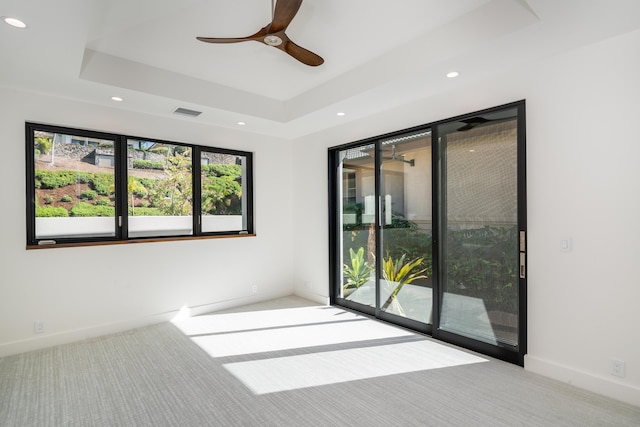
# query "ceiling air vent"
(187, 112)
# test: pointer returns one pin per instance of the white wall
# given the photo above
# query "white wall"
(583, 170)
(86, 291)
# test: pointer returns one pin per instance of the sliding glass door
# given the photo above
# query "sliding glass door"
(385, 227)
(480, 225)
(428, 230)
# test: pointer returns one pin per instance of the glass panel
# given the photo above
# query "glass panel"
(480, 252)
(74, 186)
(356, 203)
(159, 189)
(405, 286)
(223, 186)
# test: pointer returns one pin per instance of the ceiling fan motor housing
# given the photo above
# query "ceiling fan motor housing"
(272, 40)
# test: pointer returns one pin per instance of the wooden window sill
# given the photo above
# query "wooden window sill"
(133, 241)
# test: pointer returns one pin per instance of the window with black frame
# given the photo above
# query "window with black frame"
(85, 186)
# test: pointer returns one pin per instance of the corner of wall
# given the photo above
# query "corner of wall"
(311, 296)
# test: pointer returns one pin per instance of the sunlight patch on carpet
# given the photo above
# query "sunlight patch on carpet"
(296, 337)
(310, 370)
(251, 320)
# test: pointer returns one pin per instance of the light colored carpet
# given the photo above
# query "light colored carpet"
(284, 363)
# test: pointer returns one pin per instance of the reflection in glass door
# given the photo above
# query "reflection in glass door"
(356, 199)
(406, 223)
(479, 285)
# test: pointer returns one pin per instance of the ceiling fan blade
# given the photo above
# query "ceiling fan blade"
(223, 40)
(472, 123)
(257, 36)
(301, 54)
(283, 14)
(466, 127)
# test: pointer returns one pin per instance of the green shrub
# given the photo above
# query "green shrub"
(482, 261)
(50, 180)
(66, 198)
(83, 177)
(136, 188)
(84, 209)
(221, 196)
(43, 144)
(51, 212)
(148, 164)
(54, 179)
(48, 199)
(88, 195)
(144, 204)
(148, 183)
(160, 150)
(103, 183)
(139, 192)
(36, 154)
(102, 202)
(222, 170)
(183, 151)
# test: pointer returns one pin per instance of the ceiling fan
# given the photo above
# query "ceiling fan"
(473, 123)
(399, 157)
(273, 34)
(479, 121)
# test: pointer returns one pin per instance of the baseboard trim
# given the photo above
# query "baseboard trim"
(609, 387)
(65, 337)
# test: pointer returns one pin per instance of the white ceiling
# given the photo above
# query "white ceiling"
(378, 53)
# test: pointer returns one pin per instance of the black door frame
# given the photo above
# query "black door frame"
(515, 355)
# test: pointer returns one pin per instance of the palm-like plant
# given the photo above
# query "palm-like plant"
(401, 273)
(358, 272)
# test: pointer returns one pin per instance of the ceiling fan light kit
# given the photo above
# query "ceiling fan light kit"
(273, 34)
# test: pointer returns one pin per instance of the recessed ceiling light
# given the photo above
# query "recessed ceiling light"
(453, 74)
(14, 22)
(117, 99)
(241, 123)
(340, 114)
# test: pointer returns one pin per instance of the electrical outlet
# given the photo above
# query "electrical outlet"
(38, 327)
(617, 367)
(254, 289)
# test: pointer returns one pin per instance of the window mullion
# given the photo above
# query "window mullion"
(122, 215)
(196, 202)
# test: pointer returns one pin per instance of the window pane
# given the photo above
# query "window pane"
(159, 187)
(480, 288)
(405, 285)
(356, 206)
(74, 186)
(223, 185)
